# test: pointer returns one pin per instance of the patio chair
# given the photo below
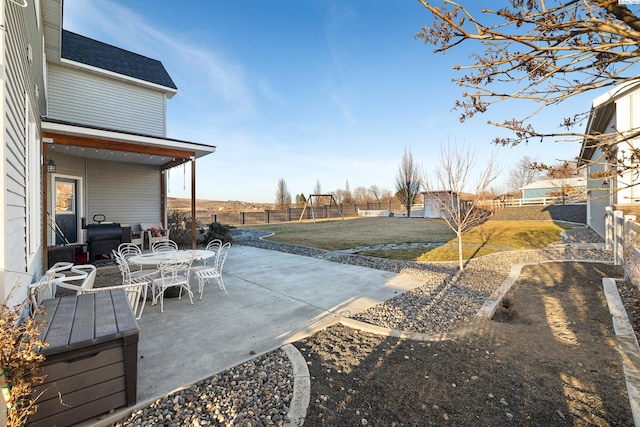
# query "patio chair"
(154, 232)
(135, 276)
(214, 272)
(213, 246)
(83, 277)
(128, 250)
(136, 294)
(137, 236)
(172, 274)
(164, 245)
(45, 288)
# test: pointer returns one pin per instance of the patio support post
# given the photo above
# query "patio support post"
(45, 197)
(163, 198)
(193, 203)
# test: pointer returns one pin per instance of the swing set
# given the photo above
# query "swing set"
(309, 202)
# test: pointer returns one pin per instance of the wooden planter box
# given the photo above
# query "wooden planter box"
(91, 361)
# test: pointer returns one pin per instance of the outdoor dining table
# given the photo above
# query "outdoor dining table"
(155, 258)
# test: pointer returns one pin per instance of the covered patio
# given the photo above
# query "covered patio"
(90, 171)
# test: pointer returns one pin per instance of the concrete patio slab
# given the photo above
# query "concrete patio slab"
(274, 298)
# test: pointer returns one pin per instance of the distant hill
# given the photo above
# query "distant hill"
(175, 203)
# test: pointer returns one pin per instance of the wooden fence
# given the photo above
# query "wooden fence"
(293, 214)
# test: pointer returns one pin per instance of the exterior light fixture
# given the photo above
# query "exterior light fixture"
(51, 166)
(605, 183)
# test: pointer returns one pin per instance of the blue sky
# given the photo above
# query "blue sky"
(313, 90)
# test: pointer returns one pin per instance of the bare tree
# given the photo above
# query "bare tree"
(539, 52)
(283, 197)
(562, 176)
(523, 173)
(339, 195)
(318, 188)
(407, 181)
(360, 195)
(445, 186)
(376, 192)
(386, 195)
(348, 196)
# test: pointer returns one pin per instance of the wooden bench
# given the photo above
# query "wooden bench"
(91, 361)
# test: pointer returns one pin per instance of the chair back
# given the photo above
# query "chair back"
(90, 270)
(43, 289)
(173, 268)
(164, 245)
(123, 266)
(213, 246)
(222, 256)
(128, 250)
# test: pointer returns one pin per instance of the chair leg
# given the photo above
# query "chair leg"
(190, 293)
(221, 284)
(201, 282)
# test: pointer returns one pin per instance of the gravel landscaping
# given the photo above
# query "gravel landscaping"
(258, 392)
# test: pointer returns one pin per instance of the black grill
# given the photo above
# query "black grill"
(102, 238)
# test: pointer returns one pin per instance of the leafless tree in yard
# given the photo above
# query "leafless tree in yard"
(523, 173)
(386, 195)
(339, 195)
(360, 195)
(283, 197)
(561, 176)
(446, 184)
(348, 196)
(543, 52)
(376, 192)
(408, 181)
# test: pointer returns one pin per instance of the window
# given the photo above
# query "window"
(65, 197)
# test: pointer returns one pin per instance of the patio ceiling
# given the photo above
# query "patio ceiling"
(106, 144)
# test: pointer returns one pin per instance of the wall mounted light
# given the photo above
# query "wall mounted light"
(51, 166)
(605, 183)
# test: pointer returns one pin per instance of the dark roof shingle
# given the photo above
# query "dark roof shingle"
(101, 55)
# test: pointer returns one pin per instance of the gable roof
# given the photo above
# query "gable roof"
(603, 110)
(107, 57)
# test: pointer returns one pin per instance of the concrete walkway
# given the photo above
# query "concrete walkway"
(274, 298)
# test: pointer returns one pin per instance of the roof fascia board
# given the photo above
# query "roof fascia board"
(168, 90)
(615, 93)
(199, 149)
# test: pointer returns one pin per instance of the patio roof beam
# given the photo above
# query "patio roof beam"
(176, 162)
(104, 144)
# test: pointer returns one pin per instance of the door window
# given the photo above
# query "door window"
(65, 197)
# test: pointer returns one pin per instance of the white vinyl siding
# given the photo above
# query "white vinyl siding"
(627, 110)
(78, 96)
(599, 199)
(126, 193)
(22, 75)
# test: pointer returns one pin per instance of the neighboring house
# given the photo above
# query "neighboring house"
(549, 189)
(615, 113)
(95, 111)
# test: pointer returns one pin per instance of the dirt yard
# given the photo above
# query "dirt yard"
(548, 358)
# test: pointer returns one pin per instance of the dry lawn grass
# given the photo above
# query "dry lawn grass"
(490, 237)
(352, 232)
